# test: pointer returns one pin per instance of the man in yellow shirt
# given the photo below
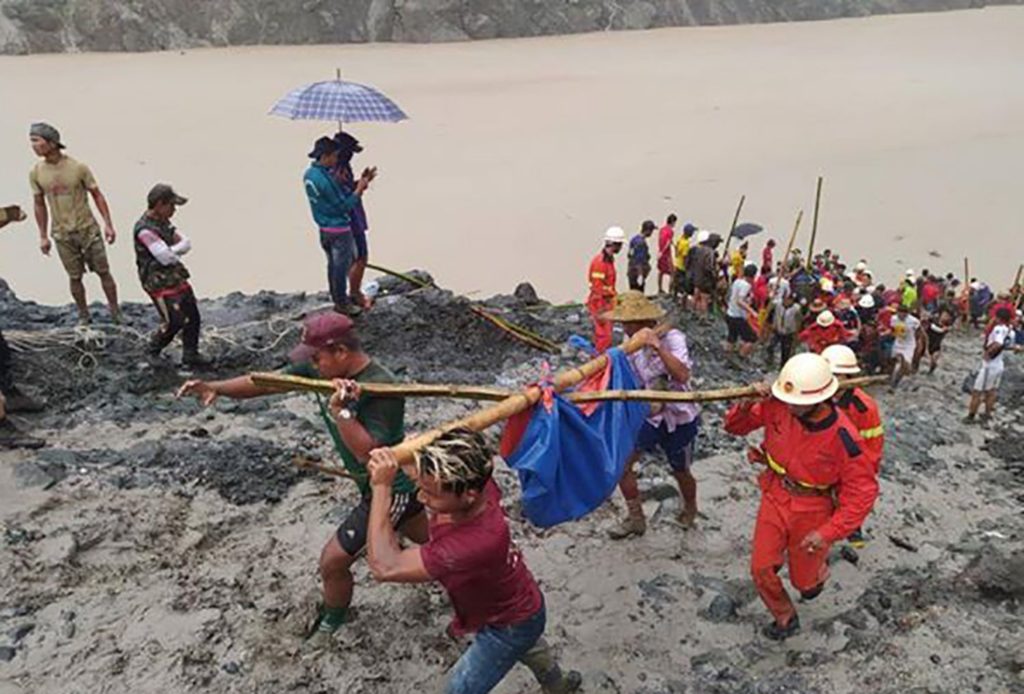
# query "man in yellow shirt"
(738, 259)
(680, 284)
(59, 184)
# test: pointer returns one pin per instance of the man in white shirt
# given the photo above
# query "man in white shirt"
(906, 328)
(738, 312)
(986, 384)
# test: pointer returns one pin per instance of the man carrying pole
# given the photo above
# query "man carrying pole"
(663, 364)
(818, 487)
(471, 553)
(357, 424)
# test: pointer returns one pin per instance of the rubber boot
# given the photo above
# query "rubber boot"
(777, 633)
(633, 524)
(195, 360)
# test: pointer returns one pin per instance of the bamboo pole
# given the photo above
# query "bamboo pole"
(814, 225)
(735, 221)
(284, 383)
(699, 395)
(792, 239)
(1015, 290)
(304, 463)
(513, 405)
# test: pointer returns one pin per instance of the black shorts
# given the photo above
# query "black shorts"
(935, 343)
(739, 329)
(352, 531)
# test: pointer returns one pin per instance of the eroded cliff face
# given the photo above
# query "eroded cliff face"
(40, 26)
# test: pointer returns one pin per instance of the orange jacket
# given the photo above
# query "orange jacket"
(601, 277)
(818, 338)
(825, 454)
(863, 412)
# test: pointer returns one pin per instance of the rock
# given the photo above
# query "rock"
(526, 293)
(7, 654)
(28, 474)
(997, 576)
(231, 667)
(721, 609)
(57, 550)
(21, 631)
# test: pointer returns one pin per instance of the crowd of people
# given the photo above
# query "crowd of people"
(818, 460)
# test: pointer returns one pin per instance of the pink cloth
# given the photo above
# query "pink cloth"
(650, 368)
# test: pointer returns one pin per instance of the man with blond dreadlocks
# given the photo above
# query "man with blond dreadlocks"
(471, 553)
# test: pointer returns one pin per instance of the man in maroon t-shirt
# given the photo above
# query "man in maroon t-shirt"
(471, 553)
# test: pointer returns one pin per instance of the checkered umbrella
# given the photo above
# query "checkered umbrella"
(336, 100)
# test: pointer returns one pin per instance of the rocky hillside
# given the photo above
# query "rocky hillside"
(41, 26)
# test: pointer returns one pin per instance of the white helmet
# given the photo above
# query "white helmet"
(806, 379)
(614, 235)
(702, 236)
(860, 267)
(826, 318)
(909, 272)
(866, 301)
(842, 359)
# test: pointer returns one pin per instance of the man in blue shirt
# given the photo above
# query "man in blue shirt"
(639, 266)
(332, 210)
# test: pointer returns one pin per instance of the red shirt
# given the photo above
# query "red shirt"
(826, 453)
(761, 291)
(930, 293)
(481, 569)
(601, 277)
(766, 257)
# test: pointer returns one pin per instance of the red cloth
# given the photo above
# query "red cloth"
(665, 261)
(826, 453)
(601, 277)
(930, 293)
(766, 257)
(760, 291)
(864, 413)
(818, 338)
(481, 569)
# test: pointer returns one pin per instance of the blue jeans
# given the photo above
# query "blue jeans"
(339, 250)
(495, 650)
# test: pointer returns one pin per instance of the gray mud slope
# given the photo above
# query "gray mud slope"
(52, 26)
(154, 547)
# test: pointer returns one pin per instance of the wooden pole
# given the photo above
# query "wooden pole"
(514, 404)
(1015, 290)
(701, 395)
(792, 239)
(284, 383)
(735, 221)
(814, 225)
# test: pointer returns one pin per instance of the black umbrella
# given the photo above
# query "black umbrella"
(746, 229)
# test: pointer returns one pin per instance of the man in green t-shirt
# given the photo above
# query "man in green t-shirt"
(357, 423)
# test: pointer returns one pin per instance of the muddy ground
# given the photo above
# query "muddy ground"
(153, 546)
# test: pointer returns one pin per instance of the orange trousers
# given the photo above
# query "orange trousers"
(777, 533)
(602, 329)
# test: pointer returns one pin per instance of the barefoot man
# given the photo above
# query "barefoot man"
(59, 184)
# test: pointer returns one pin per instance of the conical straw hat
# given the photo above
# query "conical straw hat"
(633, 306)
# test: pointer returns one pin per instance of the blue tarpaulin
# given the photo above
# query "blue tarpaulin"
(569, 462)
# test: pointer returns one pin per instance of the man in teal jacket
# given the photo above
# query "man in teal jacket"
(331, 208)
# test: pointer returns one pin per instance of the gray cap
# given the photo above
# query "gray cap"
(47, 132)
(162, 192)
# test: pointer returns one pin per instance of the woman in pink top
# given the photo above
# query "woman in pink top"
(666, 265)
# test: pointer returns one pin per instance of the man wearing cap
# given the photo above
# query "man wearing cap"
(357, 424)
(663, 364)
(817, 488)
(332, 211)
(59, 185)
(158, 250)
(863, 412)
(638, 267)
(601, 277)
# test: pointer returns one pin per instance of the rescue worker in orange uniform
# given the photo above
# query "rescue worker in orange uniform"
(601, 277)
(863, 412)
(818, 486)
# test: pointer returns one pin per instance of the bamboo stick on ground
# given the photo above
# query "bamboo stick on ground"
(814, 225)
